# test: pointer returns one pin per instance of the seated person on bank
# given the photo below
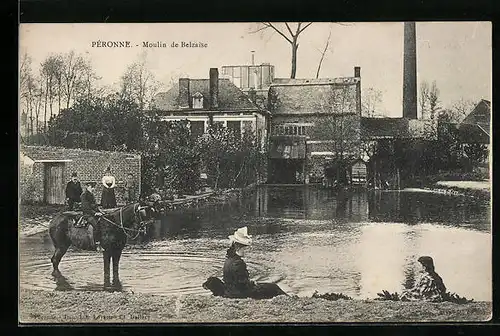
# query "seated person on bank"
(236, 281)
(90, 210)
(428, 286)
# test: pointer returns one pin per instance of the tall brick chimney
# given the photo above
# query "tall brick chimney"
(184, 94)
(357, 74)
(410, 71)
(214, 88)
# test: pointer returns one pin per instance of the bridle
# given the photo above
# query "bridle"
(137, 217)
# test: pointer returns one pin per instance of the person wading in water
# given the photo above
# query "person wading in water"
(90, 210)
(235, 274)
(429, 286)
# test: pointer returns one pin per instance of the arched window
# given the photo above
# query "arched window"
(197, 100)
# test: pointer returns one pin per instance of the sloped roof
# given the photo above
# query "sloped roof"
(384, 127)
(481, 114)
(298, 96)
(38, 153)
(230, 96)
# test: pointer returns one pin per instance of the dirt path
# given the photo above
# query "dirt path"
(60, 307)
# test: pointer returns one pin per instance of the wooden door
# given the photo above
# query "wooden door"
(54, 183)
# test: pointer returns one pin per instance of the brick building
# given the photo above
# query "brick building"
(50, 169)
(313, 121)
(317, 130)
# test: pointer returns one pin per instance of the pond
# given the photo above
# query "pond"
(306, 239)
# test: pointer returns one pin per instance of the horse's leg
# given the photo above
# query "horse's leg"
(116, 264)
(107, 257)
(56, 259)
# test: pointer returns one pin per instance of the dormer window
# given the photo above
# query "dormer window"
(197, 100)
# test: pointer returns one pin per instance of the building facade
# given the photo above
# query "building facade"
(314, 122)
(206, 102)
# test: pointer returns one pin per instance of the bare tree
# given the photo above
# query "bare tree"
(371, 98)
(424, 99)
(138, 83)
(72, 76)
(24, 88)
(461, 109)
(88, 87)
(323, 53)
(289, 33)
(433, 99)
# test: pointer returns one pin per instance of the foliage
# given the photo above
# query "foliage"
(387, 296)
(331, 296)
(28, 191)
(476, 152)
(230, 160)
(108, 123)
(447, 297)
(171, 159)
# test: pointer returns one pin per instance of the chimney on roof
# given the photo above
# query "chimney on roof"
(214, 88)
(184, 94)
(253, 57)
(410, 72)
(357, 74)
(357, 71)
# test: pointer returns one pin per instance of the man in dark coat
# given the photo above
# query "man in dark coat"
(90, 210)
(73, 192)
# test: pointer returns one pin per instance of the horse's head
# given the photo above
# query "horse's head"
(143, 216)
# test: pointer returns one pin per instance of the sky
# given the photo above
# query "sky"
(457, 55)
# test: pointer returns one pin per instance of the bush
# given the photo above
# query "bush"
(28, 192)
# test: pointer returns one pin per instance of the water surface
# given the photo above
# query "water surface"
(305, 239)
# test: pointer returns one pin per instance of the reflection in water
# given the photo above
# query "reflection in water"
(305, 238)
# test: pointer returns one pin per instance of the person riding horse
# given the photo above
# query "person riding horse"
(90, 210)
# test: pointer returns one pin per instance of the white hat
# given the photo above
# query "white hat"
(241, 236)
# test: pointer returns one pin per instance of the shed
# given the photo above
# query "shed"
(48, 169)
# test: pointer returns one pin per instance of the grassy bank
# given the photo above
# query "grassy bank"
(60, 307)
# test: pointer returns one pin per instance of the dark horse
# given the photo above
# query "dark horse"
(115, 227)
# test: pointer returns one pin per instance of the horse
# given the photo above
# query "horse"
(262, 290)
(115, 227)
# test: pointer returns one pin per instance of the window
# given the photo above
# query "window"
(235, 127)
(197, 100)
(197, 128)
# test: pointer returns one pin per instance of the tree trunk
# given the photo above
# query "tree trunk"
(45, 105)
(59, 83)
(295, 46)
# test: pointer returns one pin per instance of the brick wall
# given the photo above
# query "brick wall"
(88, 164)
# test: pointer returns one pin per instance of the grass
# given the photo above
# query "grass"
(74, 306)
